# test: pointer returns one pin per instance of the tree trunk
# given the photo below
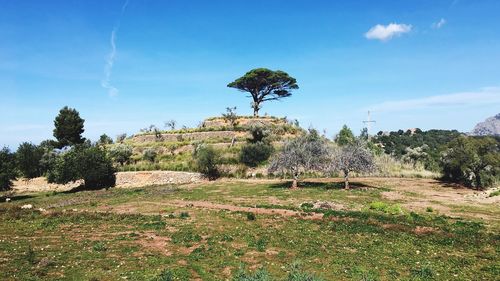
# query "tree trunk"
(256, 111)
(295, 180)
(346, 179)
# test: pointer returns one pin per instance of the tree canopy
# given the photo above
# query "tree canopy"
(265, 85)
(7, 169)
(68, 127)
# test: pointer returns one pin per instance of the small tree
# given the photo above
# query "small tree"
(89, 163)
(120, 153)
(302, 154)
(207, 160)
(7, 169)
(28, 158)
(265, 85)
(230, 116)
(353, 157)
(121, 137)
(345, 136)
(257, 149)
(104, 140)
(171, 124)
(68, 127)
(253, 154)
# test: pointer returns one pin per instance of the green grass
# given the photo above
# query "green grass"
(375, 240)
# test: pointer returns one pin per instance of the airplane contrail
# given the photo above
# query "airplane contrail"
(110, 59)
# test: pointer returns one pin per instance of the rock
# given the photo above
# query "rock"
(7, 199)
(27, 206)
(489, 127)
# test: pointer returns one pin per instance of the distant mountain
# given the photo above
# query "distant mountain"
(489, 127)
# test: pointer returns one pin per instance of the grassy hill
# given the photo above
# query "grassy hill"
(174, 148)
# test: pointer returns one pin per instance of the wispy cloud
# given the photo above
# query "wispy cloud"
(489, 95)
(110, 59)
(439, 24)
(387, 32)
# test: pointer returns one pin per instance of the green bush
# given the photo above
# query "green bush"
(7, 169)
(120, 153)
(253, 154)
(472, 161)
(207, 160)
(149, 155)
(82, 162)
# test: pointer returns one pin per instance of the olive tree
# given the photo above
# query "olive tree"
(352, 157)
(120, 153)
(303, 154)
(265, 85)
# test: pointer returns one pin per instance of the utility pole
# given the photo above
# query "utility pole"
(368, 123)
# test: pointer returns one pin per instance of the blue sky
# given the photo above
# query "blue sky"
(128, 64)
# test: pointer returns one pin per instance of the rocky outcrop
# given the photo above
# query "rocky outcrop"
(489, 127)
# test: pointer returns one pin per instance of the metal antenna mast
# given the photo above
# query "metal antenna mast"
(368, 123)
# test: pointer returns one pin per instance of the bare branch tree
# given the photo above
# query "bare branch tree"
(171, 124)
(306, 153)
(353, 157)
(230, 116)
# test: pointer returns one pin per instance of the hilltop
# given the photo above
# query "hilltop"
(174, 148)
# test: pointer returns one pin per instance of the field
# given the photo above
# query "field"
(382, 229)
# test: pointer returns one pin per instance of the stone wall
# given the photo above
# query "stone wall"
(123, 180)
(220, 122)
(197, 136)
(145, 178)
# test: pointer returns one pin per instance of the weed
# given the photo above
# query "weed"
(165, 275)
(251, 216)
(30, 255)
(429, 209)
(422, 273)
(99, 247)
(494, 193)
(184, 215)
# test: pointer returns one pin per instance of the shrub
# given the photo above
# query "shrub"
(28, 158)
(251, 216)
(149, 155)
(165, 275)
(253, 154)
(207, 160)
(120, 153)
(7, 169)
(386, 208)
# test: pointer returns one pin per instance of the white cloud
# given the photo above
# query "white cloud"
(110, 60)
(439, 24)
(489, 96)
(387, 32)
